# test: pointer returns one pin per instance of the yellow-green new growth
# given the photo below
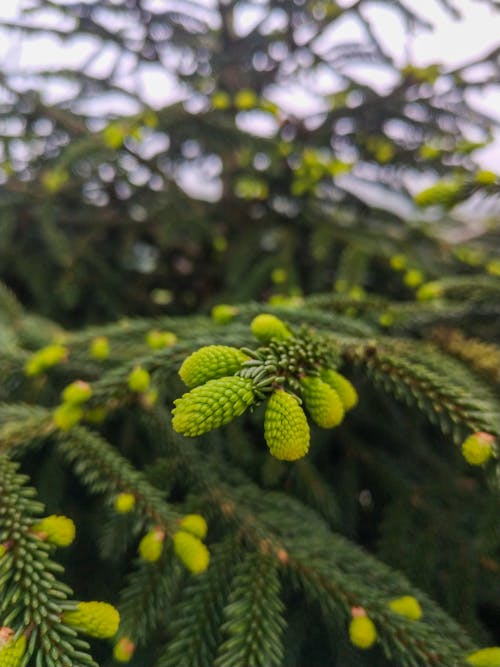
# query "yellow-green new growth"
(191, 551)
(486, 657)
(478, 448)
(265, 327)
(322, 402)
(413, 278)
(67, 415)
(211, 405)
(123, 649)
(138, 379)
(96, 619)
(56, 529)
(12, 650)
(344, 388)
(99, 348)
(209, 363)
(77, 392)
(223, 313)
(407, 606)
(429, 291)
(124, 502)
(444, 193)
(157, 340)
(286, 430)
(151, 545)
(45, 358)
(362, 632)
(194, 524)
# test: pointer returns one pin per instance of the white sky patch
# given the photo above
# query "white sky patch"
(256, 122)
(48, 52)
(246, 18)
(192, 178)
(109, 103)
(346, 29)
(389, 28)
(452, 42)
(296, 100)
(381, 79)
(157, 87)
(456, 42)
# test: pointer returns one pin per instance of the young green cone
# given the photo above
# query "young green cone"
(444, 193)
(407, 606)
(478, 448)
(194, 524)
(286, 430)
(362, 632)
(191, 551)
(486, 657)
(56, 529)
(96, 619)
(209, 363)
(77, 392)
(265, 327)
(151, 545)
(11, 650)
(322, 402)
(346, 391)
(211, 405)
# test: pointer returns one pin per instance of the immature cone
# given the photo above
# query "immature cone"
(138, 379)
(286, 430)
(209, 363)
(96, 619)
(157, 340)
(478, 448)
(191, 551)
(265, 327)
(223, 313)
(58, 530)
(407, 606)
(486, 657)
(213, 404)
(11, 650)
(444, 193)
(322, 402)
(151, 545)
(413, 278)
(48, 356)
(77, 392)
(346, 391)
(67, 415)
(124, 502)
(99, 348)
(123, 649)
(194, 524)
(362, 632)
(429, 291)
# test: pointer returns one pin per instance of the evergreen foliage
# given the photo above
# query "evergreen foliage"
(325, 492)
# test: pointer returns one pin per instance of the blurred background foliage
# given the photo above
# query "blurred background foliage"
(113, 205)
(185, 154)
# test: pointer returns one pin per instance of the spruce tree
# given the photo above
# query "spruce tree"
(260, 430)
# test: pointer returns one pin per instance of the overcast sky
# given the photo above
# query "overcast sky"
(452, 42)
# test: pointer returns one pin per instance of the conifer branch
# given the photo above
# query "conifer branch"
(147, 599)
(445, 390)
(195, 631)
(254, 616)
(336, 573)
(33, 598)
(103, 470)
